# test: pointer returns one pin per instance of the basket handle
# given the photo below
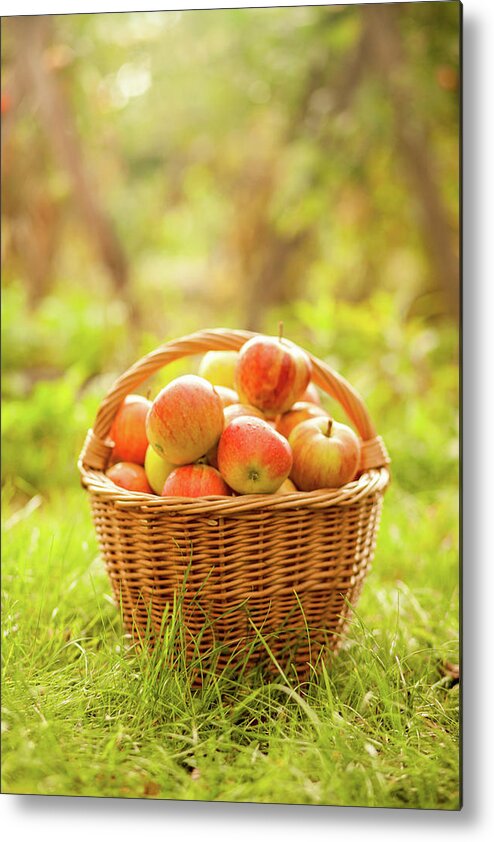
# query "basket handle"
(97, 447)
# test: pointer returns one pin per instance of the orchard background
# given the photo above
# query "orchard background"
(167, 172)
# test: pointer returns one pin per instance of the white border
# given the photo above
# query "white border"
(27, 7)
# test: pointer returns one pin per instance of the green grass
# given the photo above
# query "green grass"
(83, 713)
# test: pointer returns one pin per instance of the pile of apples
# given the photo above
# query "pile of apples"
(250, 422)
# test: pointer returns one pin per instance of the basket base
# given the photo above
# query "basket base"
(295, 652)
(255, 588)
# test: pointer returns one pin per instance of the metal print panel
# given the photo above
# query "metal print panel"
(230, 473)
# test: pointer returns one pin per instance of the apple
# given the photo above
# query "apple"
(238, 410)
(300, 411)
(272, 373)
(287, 487)
(157, 469)
(128, 430)
(129, 475)
(195, 481)
(219, 367)
(311, 394)
(234, 410)
(252, 457)
(185, 419)
(325, 454)
(228, 396)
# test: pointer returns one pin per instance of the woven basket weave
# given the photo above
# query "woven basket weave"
(249, 572)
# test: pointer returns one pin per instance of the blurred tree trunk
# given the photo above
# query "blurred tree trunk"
(387, 53)
(270, 264)
(34, 35)
(274, 265)
(30, 218)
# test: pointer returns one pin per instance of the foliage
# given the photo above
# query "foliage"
(69, 327)
(236, 146)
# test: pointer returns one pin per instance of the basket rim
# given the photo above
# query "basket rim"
(371, 482)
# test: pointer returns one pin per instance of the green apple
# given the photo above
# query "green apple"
(287, 487)
(157, 469)
(219, 367)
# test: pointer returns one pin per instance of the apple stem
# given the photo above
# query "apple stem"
(280, 331)
(330, 426)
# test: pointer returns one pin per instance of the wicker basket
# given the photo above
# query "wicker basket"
(249, 572)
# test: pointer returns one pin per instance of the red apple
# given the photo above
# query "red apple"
(300, 411)
(238, 410)
(325, 454)
(228, 396)
(128, 430)
(234, 410)
(185, 419)
(130, 476)
(252, 457)
(195, 481)
(311, 394)
(272, 373)
(157, 469)
(219, 367)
